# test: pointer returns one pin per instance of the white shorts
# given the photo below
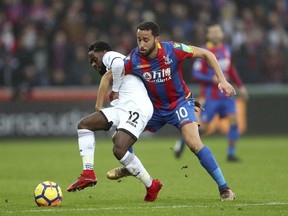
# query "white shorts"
(131, 120)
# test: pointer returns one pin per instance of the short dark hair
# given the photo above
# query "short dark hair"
(100, 46)
(155, 30)
(212, 23)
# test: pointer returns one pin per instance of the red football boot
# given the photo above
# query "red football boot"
(153, 190)
(83, 181)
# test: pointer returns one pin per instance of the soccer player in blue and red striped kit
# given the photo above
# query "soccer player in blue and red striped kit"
(215, 101)
(159, 65)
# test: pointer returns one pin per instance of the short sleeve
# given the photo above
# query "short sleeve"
(106, 59)
(183, 51)
(128, 64)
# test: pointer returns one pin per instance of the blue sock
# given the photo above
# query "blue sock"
(131, 150)
(233, 136)
(231, 148)
(208, 161)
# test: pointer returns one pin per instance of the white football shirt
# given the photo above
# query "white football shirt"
(132, 91)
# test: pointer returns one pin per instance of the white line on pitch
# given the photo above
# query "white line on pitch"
(143, 207)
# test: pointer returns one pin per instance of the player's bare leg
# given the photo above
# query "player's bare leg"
(232, 137)
(118, 172)
(191, 135)
(122, 141)
(86, 140)
(180, 143)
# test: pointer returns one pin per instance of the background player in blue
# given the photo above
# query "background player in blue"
(159, 65)
(216, 102)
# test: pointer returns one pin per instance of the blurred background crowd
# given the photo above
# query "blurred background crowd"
(45, 42)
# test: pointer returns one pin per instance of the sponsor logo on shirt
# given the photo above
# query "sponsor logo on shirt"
(158, 76)
(147, 76)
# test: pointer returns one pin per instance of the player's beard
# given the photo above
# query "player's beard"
(216, 41)
(102, 70)
(149, 51)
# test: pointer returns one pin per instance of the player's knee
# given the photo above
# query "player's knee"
(233, 122)
(194, 144)
(203, 128)
(233, 119)
(113, 137)
(81, 124)
(85, 123)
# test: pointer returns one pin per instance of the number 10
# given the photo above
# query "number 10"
(181, 113)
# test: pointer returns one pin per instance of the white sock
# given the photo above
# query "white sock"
(135, 167)
(86, 141)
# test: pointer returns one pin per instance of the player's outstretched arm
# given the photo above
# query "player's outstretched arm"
(223, 85)
(103, 88)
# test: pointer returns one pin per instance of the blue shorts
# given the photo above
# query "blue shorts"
(183, 114)
(223, 107)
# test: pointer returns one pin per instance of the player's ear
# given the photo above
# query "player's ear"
(157, 39)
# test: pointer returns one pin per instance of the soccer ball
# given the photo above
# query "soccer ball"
(48, 193)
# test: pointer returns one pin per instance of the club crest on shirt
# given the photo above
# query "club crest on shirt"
(176, 45)
(167, 60)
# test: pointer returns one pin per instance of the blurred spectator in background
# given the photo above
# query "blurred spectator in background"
(275, 65)
(9, 70)
(80, 71)
(49, 36)
(40, 61)
(74, 22)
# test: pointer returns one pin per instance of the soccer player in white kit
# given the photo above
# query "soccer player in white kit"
(129, 114)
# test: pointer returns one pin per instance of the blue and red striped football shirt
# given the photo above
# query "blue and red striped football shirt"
(204, 73)
(162, 75)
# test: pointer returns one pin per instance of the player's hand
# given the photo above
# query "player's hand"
(113, 96)
(198, 105)
(226, 88)
(244, 93)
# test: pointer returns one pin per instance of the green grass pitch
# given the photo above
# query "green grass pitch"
(260, 181)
